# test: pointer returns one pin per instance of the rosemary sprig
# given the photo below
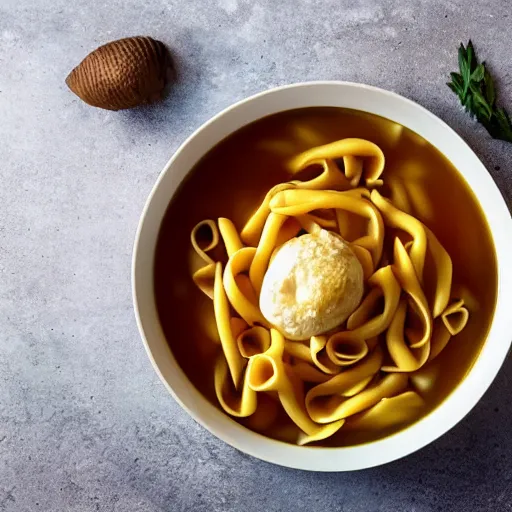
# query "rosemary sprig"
(475, 88)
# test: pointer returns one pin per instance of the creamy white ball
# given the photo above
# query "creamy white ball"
(312, 285)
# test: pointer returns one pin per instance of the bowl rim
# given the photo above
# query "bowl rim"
(439, 421)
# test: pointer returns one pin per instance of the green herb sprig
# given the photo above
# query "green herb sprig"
(475, 88)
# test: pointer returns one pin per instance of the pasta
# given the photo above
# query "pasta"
(359, 157)
(264, 250)
(388, 412)
(366, 374)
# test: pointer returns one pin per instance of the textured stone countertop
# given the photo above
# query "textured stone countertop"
(85, 423)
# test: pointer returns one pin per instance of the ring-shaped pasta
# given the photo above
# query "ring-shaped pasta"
(398, 219)
(455, 317)
(408, 279)
(239, 404)
(444, 272)
(267, 372)
(345, 350)
(319, 355)
(331, 177)
(351, 149)
(204, 279)
(240, 262)
(213, 239)
(252, 341)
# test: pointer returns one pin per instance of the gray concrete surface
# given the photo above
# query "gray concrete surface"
(85, 423)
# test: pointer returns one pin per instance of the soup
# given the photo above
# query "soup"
(424, 340)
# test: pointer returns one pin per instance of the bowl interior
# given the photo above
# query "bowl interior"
(332, 94)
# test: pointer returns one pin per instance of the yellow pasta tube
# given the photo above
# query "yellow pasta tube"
(323, 400)
(353, 169)
(209, 229)
(440, 338)
(406, 275)
(292, 400)
(234, 360)
(241, 404)
(386, 281)
(455, 317)
(319, 356)
(308, 373)
(289, 230)
(471, 302)
(266, 245)
(265, 370)
(251, 232)
(320, 433)
(298, 350)
(389, 412)
(444, 272)
(397, 219)
(205, 276)
(204, 279)
(405, 358)
(374, 157)
(230, 236)
(238, 263)
(252, 341)
(365, 258)
(343, 350)
(245, 286)
(331, 178)
(309, 224)
(299, 202)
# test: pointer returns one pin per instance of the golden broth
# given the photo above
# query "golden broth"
(231, 181)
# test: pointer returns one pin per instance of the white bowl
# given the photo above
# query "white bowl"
(323, 94)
